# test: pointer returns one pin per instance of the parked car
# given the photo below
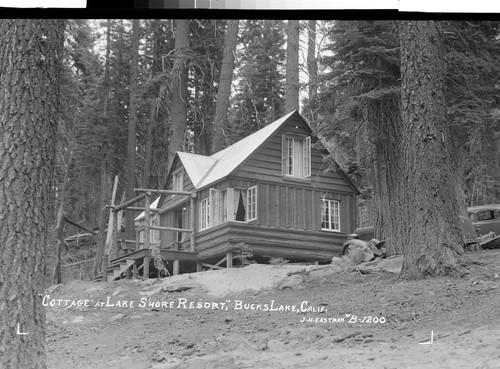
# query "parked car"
(486, 220)
(469, 235)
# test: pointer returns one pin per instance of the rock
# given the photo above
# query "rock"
(176, 289)
(391, 265)
(359, 252)
(116, 317)
(291, 282)
(78, 319)
(336, 260)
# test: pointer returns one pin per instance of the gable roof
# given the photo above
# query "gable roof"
(205, 170)
(154, 205)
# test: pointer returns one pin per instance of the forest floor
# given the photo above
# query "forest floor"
(302, 317)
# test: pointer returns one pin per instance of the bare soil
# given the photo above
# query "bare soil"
(325, 317)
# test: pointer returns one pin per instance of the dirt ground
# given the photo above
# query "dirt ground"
(289, 316)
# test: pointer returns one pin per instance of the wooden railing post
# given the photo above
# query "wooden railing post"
(146, 267)
(147, 220)
(176, 267)
(192, 221)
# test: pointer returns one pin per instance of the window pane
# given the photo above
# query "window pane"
(289, 159)
(252, 203)
(307, 156)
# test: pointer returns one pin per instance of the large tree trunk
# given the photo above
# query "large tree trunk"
(30, 69)
(292, 66)
(179, 90)
(132, 139)
(153, 113)
(312, 66)
(219, 138)
(430, 232)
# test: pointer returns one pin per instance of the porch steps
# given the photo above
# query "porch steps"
(116, 269)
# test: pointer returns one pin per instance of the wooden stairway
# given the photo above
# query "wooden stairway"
(116, 269)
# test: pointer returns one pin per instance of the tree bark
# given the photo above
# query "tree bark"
(219, 138)
(30, 70)
(429, 226)
(179, 90)
(292, 66)
(153, 113)
(132, 139)
(312, 66)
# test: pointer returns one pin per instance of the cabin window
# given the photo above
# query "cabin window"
(218, 213)
(252, 203)
(296, 156)
(330, 215)
(205, 213)
(178, 181)
(240, 201)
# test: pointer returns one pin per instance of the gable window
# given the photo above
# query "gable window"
(178, 181)
(330, 215)
(296, 158)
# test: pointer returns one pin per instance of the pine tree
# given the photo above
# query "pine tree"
(259, 98)
(292, 66)
(219, 139)
(30, 50)
(427, 200)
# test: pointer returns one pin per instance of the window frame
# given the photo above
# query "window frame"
(332, 214)
(296, 156)
(178, 180)
(252, 201)
(205, 213)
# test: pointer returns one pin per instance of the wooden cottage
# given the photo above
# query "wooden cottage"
(269, 190)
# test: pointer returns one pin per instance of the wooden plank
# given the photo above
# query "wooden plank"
(211, 266)
(278, 209)
(267, 204)
(147, 220)
(287, 207)
(313, 205)
(134, 208)
(174, 205)
(105, 267)
(192, 220)
(164, 192)
(128, 203)
(161, 228)
(176, 267)
(120, 214)
(146, 267)
(135, 272)
(111, 218)
(304, 211)
(294, 207)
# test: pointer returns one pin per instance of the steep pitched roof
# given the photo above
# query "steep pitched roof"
(205, 170)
